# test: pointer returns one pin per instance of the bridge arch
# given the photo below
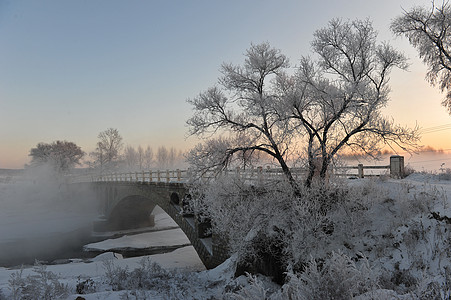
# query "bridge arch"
(127, 200)
(133, 211)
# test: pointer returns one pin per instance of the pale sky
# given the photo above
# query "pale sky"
(71, 69)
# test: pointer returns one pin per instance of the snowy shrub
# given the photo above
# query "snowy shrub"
(116, 276)
(268, 225)
(390, 223)
(400, 280)
(337, 278)
(42, 286)
(434, 291)
(150, 276)
(251, 218)
(445, 174)
(85, 286)
(408, 170)
(253, 290)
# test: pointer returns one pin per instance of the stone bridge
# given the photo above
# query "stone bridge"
(127, 200)
(129, 204)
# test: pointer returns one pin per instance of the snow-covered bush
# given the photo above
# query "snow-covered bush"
(266, 223)
(401, 228)
(85, 285)
(253, 289)
(42, 286)
(445, 174)
(339, 277)
(150, 276)
(116, 276)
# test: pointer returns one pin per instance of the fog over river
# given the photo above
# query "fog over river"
(40, 216)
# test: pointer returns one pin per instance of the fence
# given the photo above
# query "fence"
(338, 171)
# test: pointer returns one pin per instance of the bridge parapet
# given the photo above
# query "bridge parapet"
(187, 176)
(395, 169)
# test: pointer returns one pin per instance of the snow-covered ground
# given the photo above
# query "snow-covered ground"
(397, 234)
(184, 259)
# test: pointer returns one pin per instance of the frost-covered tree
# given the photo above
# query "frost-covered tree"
(108, 150)
(330, 104)
(148, 158)
(162, 157)
(167, 158)
(245, 106)
(428, 30)
(140, 157)
(131, 158)
(336, 100)
(61, 155)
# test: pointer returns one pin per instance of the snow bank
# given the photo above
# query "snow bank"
(172, 237)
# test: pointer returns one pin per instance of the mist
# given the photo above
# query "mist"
(42, 214)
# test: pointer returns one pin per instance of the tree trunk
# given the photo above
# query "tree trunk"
(324, 167)
(286, 170)
(311, 163)
(311, 173)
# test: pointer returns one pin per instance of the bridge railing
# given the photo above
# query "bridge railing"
(250, 174)
(395, 169)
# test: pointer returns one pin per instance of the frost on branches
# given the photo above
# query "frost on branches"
(267, 225)
(428, 31)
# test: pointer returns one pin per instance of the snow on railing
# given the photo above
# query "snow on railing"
(183, 176)
(259, 173)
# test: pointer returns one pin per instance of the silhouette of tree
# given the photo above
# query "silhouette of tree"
(108, 150)
(61, 155)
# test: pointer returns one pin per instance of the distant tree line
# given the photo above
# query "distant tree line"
(110, 154)
(145, 159)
